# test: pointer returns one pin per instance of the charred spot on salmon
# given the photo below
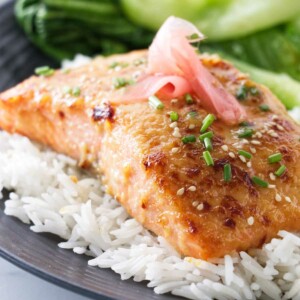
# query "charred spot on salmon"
(153, 159)
(101, 113)
(231, 206)
(230, 223)
(61, 114)
(265, 220)
(191, 172)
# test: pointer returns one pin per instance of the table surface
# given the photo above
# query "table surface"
(17, 284)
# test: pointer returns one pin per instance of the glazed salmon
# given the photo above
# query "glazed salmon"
(155, 168)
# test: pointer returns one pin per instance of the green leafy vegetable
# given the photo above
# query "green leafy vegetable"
(218, 19)
(63, 28)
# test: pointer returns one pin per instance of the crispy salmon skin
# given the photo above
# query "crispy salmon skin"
(163, 181)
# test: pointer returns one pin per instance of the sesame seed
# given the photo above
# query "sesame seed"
(200, 206)
(195, 203)
(173, 125)
(180, 192)
(253, 150)
(274, 117)
(231, 154)
(224, 148)
(242, 158)
(288, 199)
(250, 221)
(255, 142)
(249, 164)
(279, 127)
(245, 141)
(259, 135)
(175, 150)
(176, 134)
(278, 197)
(272, 176)
(192, 126)
(192, 188)
(174, 101)
(274, 134)
(270, 131)
(271, 186)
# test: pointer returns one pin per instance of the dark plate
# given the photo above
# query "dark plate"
(38, 253)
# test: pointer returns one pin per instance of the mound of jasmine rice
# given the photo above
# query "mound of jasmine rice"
(51, 194)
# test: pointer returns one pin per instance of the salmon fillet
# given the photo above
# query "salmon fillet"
(164, 183)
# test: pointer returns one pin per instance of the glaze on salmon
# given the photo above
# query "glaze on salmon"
(163, 182)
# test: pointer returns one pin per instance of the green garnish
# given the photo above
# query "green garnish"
(241, 93)
(208, 134)
(44, 71)
(188, 99)
(208, 120)
(208, 144)
(155, 103)
(274, 158)
(116, 64)
(188, 139)
(192, 114)
(208, 159)
(174, 116)
(264, 107)
(246, 132)
(280, 170)
(254, 91)
(245, 124)
(258, 181)
(76, 91)
(120, 82)
(227, 172)
(245, 154)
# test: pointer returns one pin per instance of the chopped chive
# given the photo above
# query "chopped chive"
(76, 91)
(245, 124)
(208, 159)
(274, 158)
(246, 132)
(241, 93)
(208, 120)
(254, 91)
(67, 90)
(119, 82)
(188, 99)
(188, 139)
(155, 102)
(208, 134)
(192, 114)
(280, 170)
(174, 116)
(116, 64)
(113, 65)
(208, 144)
(227, 172)
(259, 181)
(264, 107)
(245, 154)
(44, 71)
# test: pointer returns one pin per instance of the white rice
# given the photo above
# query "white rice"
(93, 223)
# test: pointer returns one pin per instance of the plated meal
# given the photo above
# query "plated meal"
(170, 166)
